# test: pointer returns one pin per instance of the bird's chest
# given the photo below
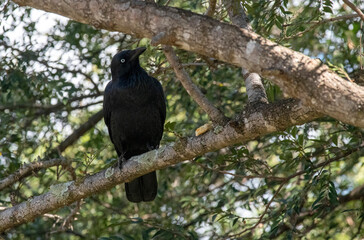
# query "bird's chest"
(124, 99)
(131, 107)
(134, 116)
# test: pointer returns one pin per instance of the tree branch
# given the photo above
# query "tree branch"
(214, 114)
(28, 169)
(273, 117)
(334, 19)
(33, 167)
(355, 8)
(356, 194)
(316, 24)
(237, 14)
(253, 83)
(254, 88)
(46, 109)
(91, 122)
(261, 216)
(297, 75)
(211, 10)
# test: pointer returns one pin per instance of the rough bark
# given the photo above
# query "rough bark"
(253, 82)
(298, 75)
(247, 126)
(255, 89)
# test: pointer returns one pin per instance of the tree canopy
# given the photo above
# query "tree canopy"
(286, 162)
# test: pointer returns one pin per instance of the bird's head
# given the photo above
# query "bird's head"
(124, 62)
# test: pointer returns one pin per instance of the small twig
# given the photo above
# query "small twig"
(64, 68)
(28, 169)
(355, 8)
(261, 216)
(5, 6)
(33, 167)
(214, 114)
(359, 228)
(50, 108)
(280, 179)
(67, 222)
(334, 19)
(316, 24)
(52, 216)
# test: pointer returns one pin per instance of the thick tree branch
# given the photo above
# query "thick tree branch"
(297, 75)
(273, 117)
(214, 114)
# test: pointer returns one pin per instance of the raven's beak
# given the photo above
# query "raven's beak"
(136, 52)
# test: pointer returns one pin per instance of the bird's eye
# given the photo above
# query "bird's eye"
(122, 60)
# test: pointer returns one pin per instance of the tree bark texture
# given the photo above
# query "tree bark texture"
(252, 123)
(296, 74)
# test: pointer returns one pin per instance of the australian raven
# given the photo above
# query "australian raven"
(134, 112)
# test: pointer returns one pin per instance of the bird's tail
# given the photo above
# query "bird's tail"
(143, 188)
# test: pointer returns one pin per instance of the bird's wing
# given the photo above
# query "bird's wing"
(106, 109)
(161, 103)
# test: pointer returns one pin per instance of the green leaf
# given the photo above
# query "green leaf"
(235, 221)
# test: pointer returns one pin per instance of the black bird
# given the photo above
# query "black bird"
(134, 112)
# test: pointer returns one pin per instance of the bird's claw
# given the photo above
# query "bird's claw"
(121, 162)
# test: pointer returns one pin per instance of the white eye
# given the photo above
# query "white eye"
(122, 60)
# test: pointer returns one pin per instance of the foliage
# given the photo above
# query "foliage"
(51, 81)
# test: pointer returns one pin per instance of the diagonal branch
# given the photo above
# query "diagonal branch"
(91, 122)
(355, 8)
(33, 167)
(214, 114)
(261, 216)
(273, 117)
(28, 169)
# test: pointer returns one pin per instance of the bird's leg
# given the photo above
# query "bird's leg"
(121, 160)
(150, 147)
